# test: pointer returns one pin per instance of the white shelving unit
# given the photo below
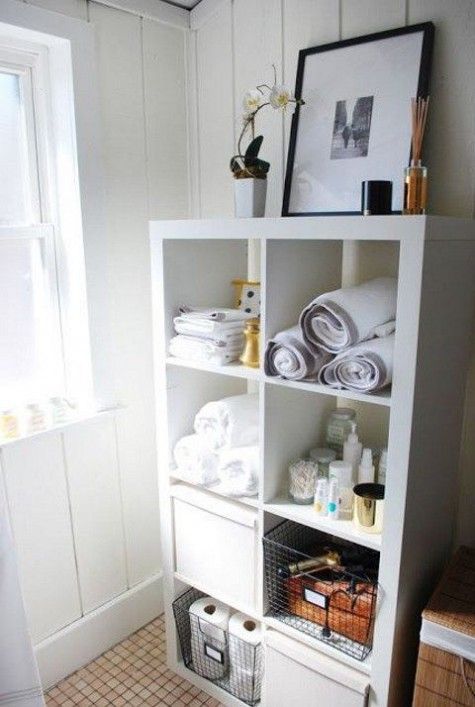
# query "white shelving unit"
(420, 419)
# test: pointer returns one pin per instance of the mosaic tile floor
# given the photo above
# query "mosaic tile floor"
(131, 674)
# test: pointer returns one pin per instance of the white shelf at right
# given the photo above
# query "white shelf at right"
(306, 515)
(419, 418)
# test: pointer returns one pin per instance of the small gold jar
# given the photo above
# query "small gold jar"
(250, 355)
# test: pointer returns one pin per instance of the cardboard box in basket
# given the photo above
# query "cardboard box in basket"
(446, 664)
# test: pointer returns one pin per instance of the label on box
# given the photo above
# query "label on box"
(214, 653)
(315, 598)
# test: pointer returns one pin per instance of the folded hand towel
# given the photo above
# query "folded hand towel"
(196, 463)
(231, 422)
(196, 349)
(364, 368)
(238, 471)
(217, 314)
(340, 319)
(288, 355)
(222, 331)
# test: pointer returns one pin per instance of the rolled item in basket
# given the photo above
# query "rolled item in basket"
(364, 368)
(208, 329)
(209, 620)
(197, 349)
(289, 356)
(230, 422)
(216, 314)
(245, 657)
(238, 471)
(350, 608)
(195, 461)
(337, 320)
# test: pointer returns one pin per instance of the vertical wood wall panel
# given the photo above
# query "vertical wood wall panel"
(216, 112)
(257, 46)
(35, 484)
(138, 473)
(121, 75)
(92, 470)
(449, 148)
(316, 22)
(165, 120)
(360, 17)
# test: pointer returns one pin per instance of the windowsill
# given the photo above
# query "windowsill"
(74, 422)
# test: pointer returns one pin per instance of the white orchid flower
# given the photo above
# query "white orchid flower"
(280, 96)
(252, 100)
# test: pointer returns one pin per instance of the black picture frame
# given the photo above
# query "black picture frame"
(426, 29)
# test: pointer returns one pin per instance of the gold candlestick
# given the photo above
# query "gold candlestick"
(250, 355)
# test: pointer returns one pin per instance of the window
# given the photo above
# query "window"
(33, 242)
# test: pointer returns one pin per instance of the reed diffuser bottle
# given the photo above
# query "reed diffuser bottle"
(415, 176)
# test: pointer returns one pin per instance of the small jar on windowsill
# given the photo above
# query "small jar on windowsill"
(415, 189)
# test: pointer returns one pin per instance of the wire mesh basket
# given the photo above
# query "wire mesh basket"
(335, 604)
(231, 663)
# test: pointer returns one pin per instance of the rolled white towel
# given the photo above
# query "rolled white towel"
(195, 462)
(337, 320)
(231, 422)
(238, 471)
(364, 368)
(289, 356)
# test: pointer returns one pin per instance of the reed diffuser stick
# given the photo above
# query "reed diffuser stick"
(415, 176)
(419, 108)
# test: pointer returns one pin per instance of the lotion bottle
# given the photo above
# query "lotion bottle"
(366, 468)
(333, 500)
(352, 451)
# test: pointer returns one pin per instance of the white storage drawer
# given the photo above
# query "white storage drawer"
(295, 675)
(215, 545)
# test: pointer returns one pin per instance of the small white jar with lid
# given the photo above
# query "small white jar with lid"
(338, 429)
(323, 457)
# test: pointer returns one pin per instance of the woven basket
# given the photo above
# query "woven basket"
(447, 677)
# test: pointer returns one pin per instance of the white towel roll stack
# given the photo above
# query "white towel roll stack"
(245, 657)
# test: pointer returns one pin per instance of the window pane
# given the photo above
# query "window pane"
(28, 367)
(14, 207)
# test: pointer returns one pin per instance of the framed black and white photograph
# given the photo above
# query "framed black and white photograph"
(356, 121)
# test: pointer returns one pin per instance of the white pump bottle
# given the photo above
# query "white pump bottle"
(352, 451)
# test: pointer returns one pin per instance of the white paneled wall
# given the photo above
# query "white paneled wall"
(94, 492)
(273, 31)
(260, 47)
(215, 111)
(37, 495)
(84, 502)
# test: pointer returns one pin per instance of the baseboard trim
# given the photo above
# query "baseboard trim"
(82, 641)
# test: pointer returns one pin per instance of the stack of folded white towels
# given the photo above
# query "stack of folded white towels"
(223, 452)
(215, 335)
(344, 339)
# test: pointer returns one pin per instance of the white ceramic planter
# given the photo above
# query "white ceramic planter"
(250, 197)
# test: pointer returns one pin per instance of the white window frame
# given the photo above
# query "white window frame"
(29, 63)
(64, 51)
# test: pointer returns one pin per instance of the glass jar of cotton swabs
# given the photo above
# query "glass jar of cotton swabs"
(302, 480)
